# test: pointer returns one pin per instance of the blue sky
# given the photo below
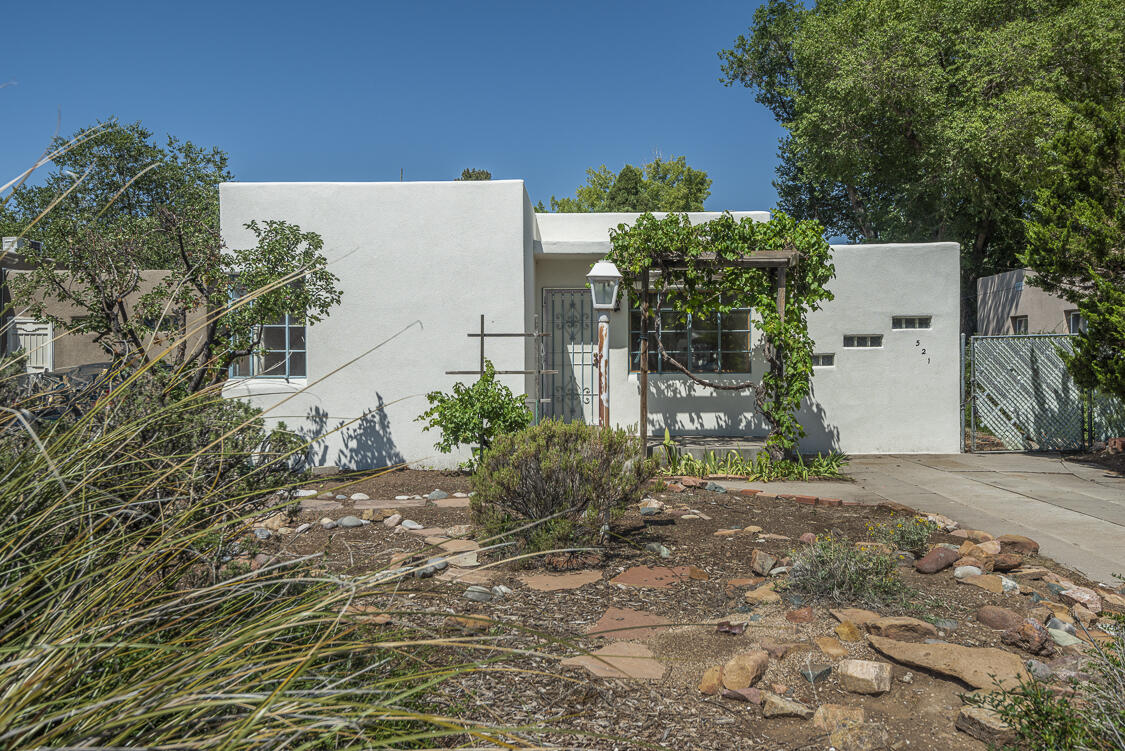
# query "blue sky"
(357, 90)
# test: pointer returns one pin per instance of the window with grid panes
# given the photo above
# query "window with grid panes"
(282, 353)
(717, 343)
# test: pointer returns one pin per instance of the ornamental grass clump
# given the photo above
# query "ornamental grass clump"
(121, 627)
(834, 570)
(557, 485)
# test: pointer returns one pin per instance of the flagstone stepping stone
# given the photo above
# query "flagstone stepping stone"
(987, 582)
(556, 582)
(831, 647)
(830, 717)
(778, 706)
(377, 504)
(858, 616)
(466, 552)
(903, 628)
(624, 659)
(744, 670)
(466, 575)
(655, 577)
(625, 623)
(763, 595)
(453, 502)
(975, 666)
(313, 504)
(436, 540)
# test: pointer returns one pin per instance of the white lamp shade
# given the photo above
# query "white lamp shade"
(604, 279)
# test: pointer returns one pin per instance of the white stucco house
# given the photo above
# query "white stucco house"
(424, 260)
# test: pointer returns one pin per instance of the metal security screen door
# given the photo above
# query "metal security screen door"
(35, 339)
(569, 321)
(1024, 398)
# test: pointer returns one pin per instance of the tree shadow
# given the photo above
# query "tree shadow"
(365, 443)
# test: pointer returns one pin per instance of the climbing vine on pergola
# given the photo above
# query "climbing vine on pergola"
(778, 268)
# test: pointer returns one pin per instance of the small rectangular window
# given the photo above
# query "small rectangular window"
(863, 341)
(911, 322)
(826, 360)
(1019, 324)
(1074, 322)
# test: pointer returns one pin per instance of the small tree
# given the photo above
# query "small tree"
(696, 278)
(660, 185)
(472, 173)
(476, 414)
(1076, 243)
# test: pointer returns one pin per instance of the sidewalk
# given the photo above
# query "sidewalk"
(1075, 512)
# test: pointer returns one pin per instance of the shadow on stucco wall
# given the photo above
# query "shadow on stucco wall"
(685, 407)
(820, 435)
(365, 443)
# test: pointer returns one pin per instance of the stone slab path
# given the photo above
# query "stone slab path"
(1075, 511)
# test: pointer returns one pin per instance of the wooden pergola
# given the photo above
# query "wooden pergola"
(779, 260)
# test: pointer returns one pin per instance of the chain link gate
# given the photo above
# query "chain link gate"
(1024, 399)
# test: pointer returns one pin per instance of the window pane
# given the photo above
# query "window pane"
(240, 368)
(736, 362)
(671, 320)
(273, 337)
(735, 340)
(705, 361)
(297, 365)
(675, 341)
(736, 319)
(273, 364)
(296, 337)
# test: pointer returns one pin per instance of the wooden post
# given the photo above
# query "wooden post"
(644, 363)
(781, 294)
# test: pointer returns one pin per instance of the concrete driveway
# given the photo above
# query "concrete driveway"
(1076, 512)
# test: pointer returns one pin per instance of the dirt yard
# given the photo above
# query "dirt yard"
(652, 621)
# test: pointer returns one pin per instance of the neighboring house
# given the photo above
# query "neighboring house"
(47, 349)
(420, 262)
(1007, 304)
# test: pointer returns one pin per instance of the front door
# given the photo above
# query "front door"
(569, 319)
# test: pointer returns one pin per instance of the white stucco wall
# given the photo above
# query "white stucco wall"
(443, 253)
(439, 254)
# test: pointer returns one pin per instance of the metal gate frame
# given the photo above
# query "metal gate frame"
(555, 401)
(1023, 393)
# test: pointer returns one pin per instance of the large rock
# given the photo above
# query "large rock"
(864, 676)
(779, 706)
(1087, 598)
(761, 562)
(936, 560)
(976, 666)
(1007, 562)
(985, 725)
(858, 616)
(1018, 544)
(763, 595)
(712, 681)
(1001, 619)
(1031, 636)
(744, 670)
(903, 628)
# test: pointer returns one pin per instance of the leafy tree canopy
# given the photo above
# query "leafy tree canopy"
(660, 185)
(475, 174)
(920, 121)
(118, 204)
(1076, 241)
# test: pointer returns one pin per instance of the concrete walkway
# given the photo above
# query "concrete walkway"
(1076, 512)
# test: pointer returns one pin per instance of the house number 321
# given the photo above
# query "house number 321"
(918, 343)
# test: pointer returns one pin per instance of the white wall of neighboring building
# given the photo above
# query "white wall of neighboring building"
(443, 253)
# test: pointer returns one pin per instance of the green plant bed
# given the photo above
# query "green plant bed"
(761, 468)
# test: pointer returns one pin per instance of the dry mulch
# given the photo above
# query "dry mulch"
(669, 712)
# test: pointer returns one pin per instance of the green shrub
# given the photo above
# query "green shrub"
(835, 570)
(1092, 718)
(475, 415)
(911, 534)
(562, 481)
